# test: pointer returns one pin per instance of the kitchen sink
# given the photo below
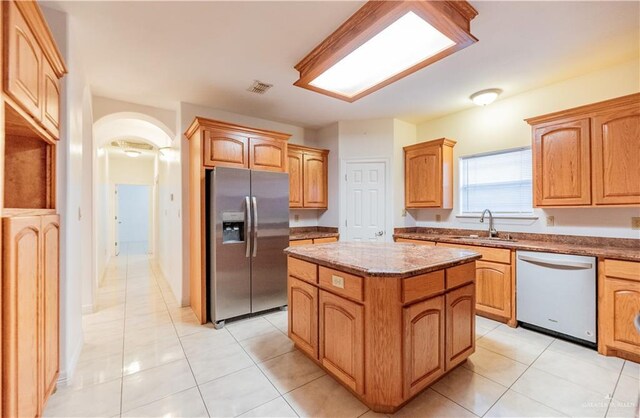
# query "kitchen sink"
(507, 239)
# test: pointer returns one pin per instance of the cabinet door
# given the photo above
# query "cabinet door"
(21, 312)
(423, 177)
(493, 288)
(267, 154)
(303, 316)
(24, 62)
(50, 300)
(315, 180)
(616, 157)
(621, 305)
(461, 330)
(424, 331)
(295, 165)
(342, 339)
(561, 158)
(225, 150)
(50, 100)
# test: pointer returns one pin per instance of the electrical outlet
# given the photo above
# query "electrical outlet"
(438, 218)
(404, 213)
(551, 220)
(635, 222)
(296, 218)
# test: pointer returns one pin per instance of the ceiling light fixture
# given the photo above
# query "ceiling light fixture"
(132, 153)
(485, 97)
(385, 41)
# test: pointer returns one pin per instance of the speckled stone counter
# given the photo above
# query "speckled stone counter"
(613, 248)
(382, 259)
(312, 232)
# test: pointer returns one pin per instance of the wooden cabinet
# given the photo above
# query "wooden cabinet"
(220, 144)
(588, 156)
(296, 242)
(303, 321)
(619, 308)
(428, 177)
(342, 339)
(424, 326)
(616, 156)
(34, 66)
(50, 301)
(460, 320)
(416, 241)
(308, 171)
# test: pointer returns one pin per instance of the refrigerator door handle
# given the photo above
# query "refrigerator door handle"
(247, 227)
(255, 226)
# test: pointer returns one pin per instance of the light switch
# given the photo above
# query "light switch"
(438, 218)
(635, 222)
(551, 220)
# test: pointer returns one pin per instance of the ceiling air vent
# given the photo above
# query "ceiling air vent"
(132, 145)
(259, 87)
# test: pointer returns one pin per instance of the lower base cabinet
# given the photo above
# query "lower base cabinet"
(461, 335)
(303, 321)
(30, 327)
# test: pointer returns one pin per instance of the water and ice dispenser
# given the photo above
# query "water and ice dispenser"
(232, 227)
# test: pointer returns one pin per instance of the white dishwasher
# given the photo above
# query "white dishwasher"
(557, 292)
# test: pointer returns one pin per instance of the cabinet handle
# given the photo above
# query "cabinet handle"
(637, 322)
(570, 264)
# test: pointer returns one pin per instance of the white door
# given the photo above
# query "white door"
(133, 214)
(365, 201)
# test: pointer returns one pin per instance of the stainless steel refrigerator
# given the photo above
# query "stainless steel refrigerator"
(248, 224)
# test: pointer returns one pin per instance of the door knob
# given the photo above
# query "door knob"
(379, 233)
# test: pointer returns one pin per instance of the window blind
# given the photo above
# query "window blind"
(498, 181)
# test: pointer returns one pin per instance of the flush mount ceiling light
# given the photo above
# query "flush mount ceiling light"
(485, 97)
(132, 153)
(385, 41)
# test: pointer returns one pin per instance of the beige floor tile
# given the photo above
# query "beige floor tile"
(150, 385)
(97, 351)
(150, 335)
(432, 404)
(586, 354)
(154, 319)
(470, 390)
(627, 389)
(584, 373)
(145, 357)
(216, 362)
(187, 325)
(482, 331)
(279, 319)
(561, 395)
(206, 341)
(93, 401)
(487, 323)
(183, 404)
(290, 371)
(524, 334)
(513, 404)
(371, 414)
(91, 371)
(250, 328)
(495, 366)
(631, 369)
(511, 345)
(267, 346)
(619, 409)
(237, 393)
(324, 397)
(277, 408)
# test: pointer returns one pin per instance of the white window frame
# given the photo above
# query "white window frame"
(503, 215)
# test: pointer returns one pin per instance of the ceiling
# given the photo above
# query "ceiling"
(208, 53)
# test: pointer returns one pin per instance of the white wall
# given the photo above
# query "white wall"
(403, 134)
(101, 218)
(329, 138)
(501, 126)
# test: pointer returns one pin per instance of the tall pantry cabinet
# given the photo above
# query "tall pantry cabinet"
(30, 226)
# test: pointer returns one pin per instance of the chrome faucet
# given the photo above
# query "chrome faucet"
(492, 230)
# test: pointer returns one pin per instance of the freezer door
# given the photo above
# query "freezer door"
(270, 208)
(229, 238)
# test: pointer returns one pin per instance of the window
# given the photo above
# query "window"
(498, 181)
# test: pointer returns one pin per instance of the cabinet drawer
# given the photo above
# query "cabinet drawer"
(297, 242)
(416, 241)
(341, 283)
(303, 270)
(422, 286)
(622, 269)
(458, 275)
(324, 240)
(497, 255)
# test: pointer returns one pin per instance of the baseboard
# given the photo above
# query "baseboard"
(67, 374)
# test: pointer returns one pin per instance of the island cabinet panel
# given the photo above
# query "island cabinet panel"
(424, 345)
(460, 320)
(303, 321)
(302, 270)
(342, 339)
(341, 283)
(493, 288)
(619, 309)
(616, 157)
(422, 286)
(267, 154)
(224, 149)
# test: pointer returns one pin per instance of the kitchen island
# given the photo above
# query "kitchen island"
(385, 319)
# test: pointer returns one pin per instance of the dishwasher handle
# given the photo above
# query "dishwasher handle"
(555, 263)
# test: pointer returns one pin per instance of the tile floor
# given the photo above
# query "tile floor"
(146, 356)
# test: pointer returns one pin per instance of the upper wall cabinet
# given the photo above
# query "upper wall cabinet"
(33, 66)
(227, 145)
(307, 177)
(428, 174)
(588, 156)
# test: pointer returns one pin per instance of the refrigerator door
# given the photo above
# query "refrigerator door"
(229, 243)
(270, 208)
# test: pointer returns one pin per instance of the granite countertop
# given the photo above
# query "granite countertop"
(312, 232)
(382, 259)
(615, 248)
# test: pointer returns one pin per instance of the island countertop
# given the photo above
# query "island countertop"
(382, 259)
